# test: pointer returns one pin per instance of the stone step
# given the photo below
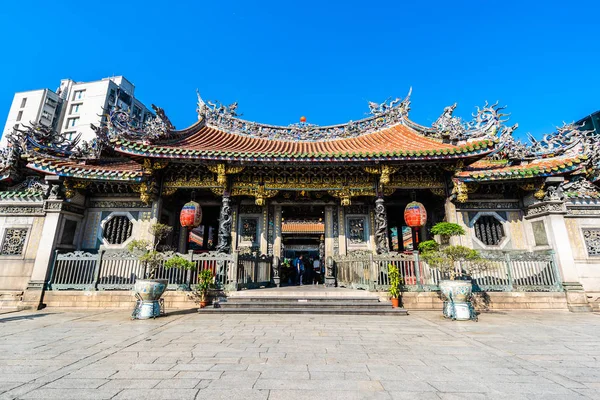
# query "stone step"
(306, 310)
(304, 304)
(307, 291)
(288, 299)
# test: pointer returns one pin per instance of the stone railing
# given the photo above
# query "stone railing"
(114, 269)
(509, 271)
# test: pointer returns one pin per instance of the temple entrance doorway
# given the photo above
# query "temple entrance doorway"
(302, 234)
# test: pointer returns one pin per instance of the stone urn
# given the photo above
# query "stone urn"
(457, 293)
(150, 289)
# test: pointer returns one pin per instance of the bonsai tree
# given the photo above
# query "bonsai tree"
(447, 258)
(446, 230)
(179, 262)
(147, 251)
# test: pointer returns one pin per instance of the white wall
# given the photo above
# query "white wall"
(31, 111)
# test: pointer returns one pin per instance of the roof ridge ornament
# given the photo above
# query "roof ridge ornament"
(122, 124)
(225, 118)
(486, 123)
(568, 138)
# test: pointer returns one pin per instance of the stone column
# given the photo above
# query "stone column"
(381, 234)
(451, 216)
(342, 230)
(329, 239)
(264, 230)
(552, 212)
(225, 219)
(278, 239)
(183, 240)
(32, 298)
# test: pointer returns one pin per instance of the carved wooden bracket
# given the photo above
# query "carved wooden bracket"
(222, 170)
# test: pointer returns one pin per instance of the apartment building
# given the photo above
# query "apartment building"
(74, 106)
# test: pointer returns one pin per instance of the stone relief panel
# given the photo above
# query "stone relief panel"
(591, 236)
(90, 234)
(357, 230)
(249, 231)
(13, 242)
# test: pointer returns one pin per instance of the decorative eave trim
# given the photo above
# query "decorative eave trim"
(480, 148)
(134, 176)
(516, 173)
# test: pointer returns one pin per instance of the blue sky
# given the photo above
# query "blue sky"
(322, 59)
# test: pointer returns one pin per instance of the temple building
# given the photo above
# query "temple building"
(69, 208)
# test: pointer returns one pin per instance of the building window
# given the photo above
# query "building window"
(489, 230)
(78, 94)
(13, 242)
(75, 108)
(539, 233)
(70, 134)
(51, 102)
(71, 122)
(19, 116)
(356, 230)
(592, 241)
(249, 230)
(47, 115)
(117, 229)
(23, 102)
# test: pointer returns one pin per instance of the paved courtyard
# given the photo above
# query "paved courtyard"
(52, 354)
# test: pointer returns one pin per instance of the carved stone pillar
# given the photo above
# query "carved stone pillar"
(225, 220)
(329, 272)
(381, 236)
(278, 238)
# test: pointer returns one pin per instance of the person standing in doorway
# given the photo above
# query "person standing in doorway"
(317, 271)
(300, 269)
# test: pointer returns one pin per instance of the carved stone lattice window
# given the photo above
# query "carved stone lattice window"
(489, 230)
(117, 229)
(249, 229)
(13, 242)
(356, 230)
(592, 241)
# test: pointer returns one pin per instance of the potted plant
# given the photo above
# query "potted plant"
(395, 285)
(455, 262)
(149, 290)
(205, 282)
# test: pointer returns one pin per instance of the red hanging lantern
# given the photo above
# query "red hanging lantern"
(191, 215)
(415, 214)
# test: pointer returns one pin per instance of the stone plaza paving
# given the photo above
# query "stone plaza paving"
(54, 354)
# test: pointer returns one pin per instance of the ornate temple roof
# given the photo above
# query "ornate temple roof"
(492, 170)
(481, 150)
(394, 143)
(386, 134)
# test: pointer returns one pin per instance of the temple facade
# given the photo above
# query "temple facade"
(269, 193)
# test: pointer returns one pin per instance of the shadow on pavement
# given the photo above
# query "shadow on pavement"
(183, 312)
(22, 317)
